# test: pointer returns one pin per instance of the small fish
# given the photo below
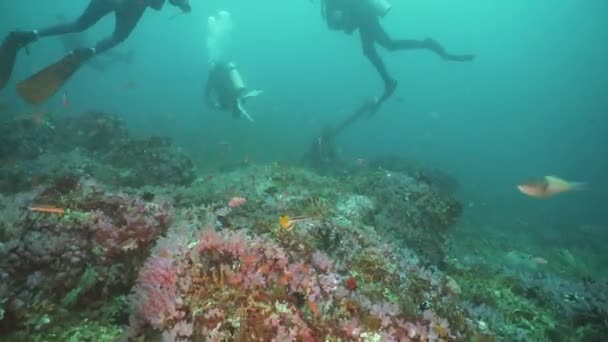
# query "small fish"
(47, 209)
(64, 100)
(540, 260)
(236, 202)
(287, 222)
(549, 186)
(361, 162)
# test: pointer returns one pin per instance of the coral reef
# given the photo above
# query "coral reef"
(74, 243)
(228, 272)
(80, 258)
(335, 227)
(229, 286)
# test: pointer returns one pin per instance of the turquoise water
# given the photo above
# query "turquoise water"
(533, 103)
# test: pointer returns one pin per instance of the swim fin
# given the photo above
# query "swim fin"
(8, 54)
(49, 80)
(242, 111)
(388, 92)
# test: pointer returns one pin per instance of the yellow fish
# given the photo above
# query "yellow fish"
(549, 186)
(287, 223)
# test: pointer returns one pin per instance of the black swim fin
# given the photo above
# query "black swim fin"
(49, 80)
(388, 92)
(8, 54)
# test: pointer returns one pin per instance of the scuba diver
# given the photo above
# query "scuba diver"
(364, 15)
(101, 63)
(45, 83)
(226, 90)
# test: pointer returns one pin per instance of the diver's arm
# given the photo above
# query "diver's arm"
(247, 94)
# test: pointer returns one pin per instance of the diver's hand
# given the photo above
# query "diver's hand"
(252, 93)
(184, 5)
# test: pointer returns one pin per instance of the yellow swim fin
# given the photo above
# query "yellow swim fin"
(49, 80)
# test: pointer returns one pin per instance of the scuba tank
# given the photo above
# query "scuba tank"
(235, 76)
(381, 7)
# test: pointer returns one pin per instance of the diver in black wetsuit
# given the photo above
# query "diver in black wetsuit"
(350, 15)
(127, 12)
(226, 90)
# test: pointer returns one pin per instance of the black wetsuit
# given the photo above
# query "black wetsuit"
(73, 41)
(357, 14)
(220, 86)
(127, 12)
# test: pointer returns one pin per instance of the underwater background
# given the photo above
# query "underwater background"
(533, 103)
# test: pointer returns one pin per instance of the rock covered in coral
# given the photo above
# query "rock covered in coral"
(378, 291)
(22, 140)
(411, 210)
(420, 171)
(92, 144)
(76, 242)
(150, 161)
(24, 137)
(230, 286)
(233, 271)
(394, 203)
(97, 132)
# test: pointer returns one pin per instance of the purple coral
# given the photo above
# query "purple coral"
(103, 233)
(130, 225)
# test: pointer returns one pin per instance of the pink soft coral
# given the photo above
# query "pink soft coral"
(156, 292)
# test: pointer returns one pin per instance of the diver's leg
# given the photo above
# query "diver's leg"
(17, 40)
(390, 44)
(96, 10)
(436, 47)
(125, 23)
(369, 50)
